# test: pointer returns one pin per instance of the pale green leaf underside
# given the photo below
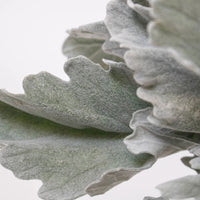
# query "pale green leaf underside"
(87, 41)
(92, 98)
(182, 188)
(185, 187)
(66, 160)
(160, 142)
(172, 89)
(177, 27)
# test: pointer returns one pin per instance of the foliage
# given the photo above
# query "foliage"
(76, 136)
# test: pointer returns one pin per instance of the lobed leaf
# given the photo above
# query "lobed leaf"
(66, 160)
(153, 140)
(93, 97)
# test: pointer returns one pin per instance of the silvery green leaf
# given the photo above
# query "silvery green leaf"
(172, 89)
(182, 188)
(125, 25)
(94, 97)
(148, 138)
(142, 9)
(165, 113)
(87, 41)
(66, 160)
(177, 28)
(91, 48)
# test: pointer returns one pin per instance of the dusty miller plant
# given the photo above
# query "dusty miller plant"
(132, 98)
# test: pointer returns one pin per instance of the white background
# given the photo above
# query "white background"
(31, 36)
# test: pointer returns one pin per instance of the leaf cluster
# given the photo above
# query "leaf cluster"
(132, 98)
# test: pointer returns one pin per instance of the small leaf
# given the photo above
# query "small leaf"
(93, 97)
(177, 28)
(87, 41)
(66, 160)
(182, 188)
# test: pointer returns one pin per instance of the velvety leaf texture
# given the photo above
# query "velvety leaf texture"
(125, 25)
(93, 97)
(172, 89)
(153, 140)
(87, 41)
(66, 160)
(73, 135)
(177, 27)
(182, 188)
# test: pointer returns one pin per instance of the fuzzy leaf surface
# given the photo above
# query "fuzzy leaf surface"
(87, 41)
(172, 89)
(182, 188)
(94, 97)
(125, 25)
(66, 160)
(153, 140)
(177, 27)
